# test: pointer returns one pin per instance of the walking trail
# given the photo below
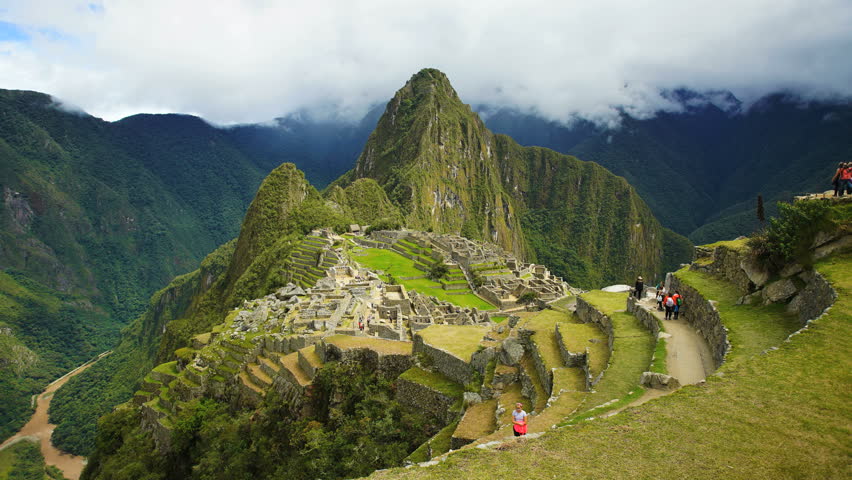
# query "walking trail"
(688, 356)
(38, 429)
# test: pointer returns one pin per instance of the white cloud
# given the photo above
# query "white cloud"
(241, 61)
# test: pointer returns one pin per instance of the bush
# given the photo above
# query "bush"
(790, 235)
(527, 298)
(437, 271)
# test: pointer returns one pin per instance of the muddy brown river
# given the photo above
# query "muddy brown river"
(39, 429)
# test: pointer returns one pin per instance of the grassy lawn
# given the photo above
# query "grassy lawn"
(577, 337)
(607, 302)
(380, 345)
(386, 261)
(169, 368)
(460, 340)
(544, 338)
(478, 420)
(741, 244)
(751, 328)
(632, 350)
(400, 267)
(782, 415)
(565, 302)
(433, 380)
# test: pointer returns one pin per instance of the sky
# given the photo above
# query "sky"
(246, 61)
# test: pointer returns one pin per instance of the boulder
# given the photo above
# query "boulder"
(831, 247)
(756, 273)
(513, 350)
(779, 291)
(659, 381)
(472, 398)
(791, 269)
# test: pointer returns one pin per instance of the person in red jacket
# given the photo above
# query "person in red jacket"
(669, 304)
(678, 301)
(846, 180)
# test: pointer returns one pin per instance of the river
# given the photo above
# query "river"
(39, 429)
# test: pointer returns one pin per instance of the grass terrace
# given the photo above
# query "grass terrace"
(780, 415)
(433, 380)
(460, 340)
(439, 444)
(380, 345)
(751, 328)
(401, 267)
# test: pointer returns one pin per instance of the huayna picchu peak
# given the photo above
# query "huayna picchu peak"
(448, 173)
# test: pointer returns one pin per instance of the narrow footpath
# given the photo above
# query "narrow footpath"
(38, 429)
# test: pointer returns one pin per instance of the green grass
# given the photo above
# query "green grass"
(544, 325)
(433, 380)
(440, 445)
(632, 350)
(565, 302)
(577, 337)
(738, 245)
(606, 302)
(376, 344)
(387, 261)
(658, 364)
(782, 415)
(751, 328)
(499, 318)
(169, 368)
(460, 340)
(478, 421)
(401, 267)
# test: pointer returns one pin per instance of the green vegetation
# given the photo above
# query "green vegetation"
(751, 328)
(362, 430)
(433, 380)
(24, 461)
(437, 445)
(460, 340)
(398, 267)
(790, 235)
(755, 420)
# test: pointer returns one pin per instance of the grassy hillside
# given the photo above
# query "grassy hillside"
(779, 414)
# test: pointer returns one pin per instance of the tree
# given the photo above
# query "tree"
(528, 298)
(760, 213)
(437, 271)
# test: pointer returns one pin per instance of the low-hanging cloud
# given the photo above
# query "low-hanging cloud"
(245, 61)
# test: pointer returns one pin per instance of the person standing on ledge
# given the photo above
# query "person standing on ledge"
(640, 285)
(519, 419)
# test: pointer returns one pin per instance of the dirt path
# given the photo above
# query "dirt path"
(38, 429)
(688, 356)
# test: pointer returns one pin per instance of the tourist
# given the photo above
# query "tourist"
(669, 303)
(659, 299)
(835, 180)
(846, 179)
(678, 301)
(519, 420)
(640, 285)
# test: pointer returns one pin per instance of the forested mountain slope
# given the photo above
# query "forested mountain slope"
(700, 170)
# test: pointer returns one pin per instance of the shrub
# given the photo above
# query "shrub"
(527, 298)
(790, 235)
(437, 271)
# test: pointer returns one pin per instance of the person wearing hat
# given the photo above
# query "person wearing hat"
(519, 420)
(640, 285)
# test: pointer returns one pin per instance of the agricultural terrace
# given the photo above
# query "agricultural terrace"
(405, 273)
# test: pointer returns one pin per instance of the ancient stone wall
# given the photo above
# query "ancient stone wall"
(544, 374)
(647, 318)
(589, 314)
(570, 359)
(814, 298)
(453, 367)
(426, 399)
(705, 319)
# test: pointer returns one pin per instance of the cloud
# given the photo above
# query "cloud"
(242, 61)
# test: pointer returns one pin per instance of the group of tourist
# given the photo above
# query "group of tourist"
(842, 179)
(670, 302)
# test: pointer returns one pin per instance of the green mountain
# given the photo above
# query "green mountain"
(701, 169)
(448, 173)
(256, 263)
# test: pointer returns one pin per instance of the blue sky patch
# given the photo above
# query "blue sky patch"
(10, 32)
